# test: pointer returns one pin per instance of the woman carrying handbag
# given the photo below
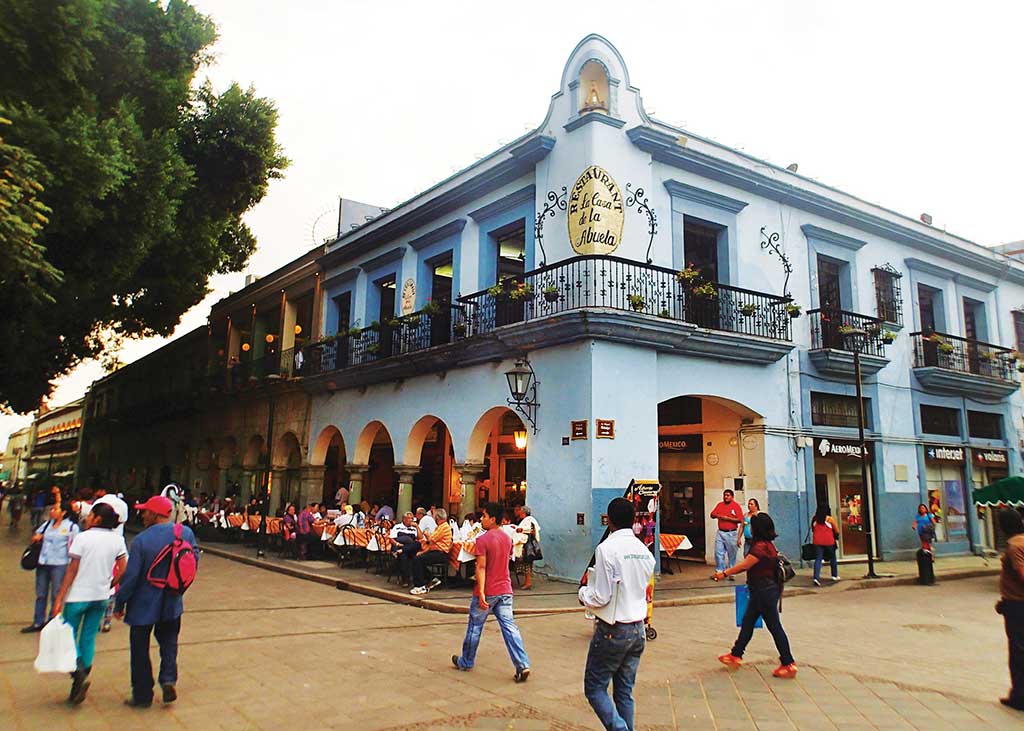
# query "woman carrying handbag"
(824, 533)
(54, 539)
(531, 551)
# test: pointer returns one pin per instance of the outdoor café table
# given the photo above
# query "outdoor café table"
(670, 543)
(235, 520)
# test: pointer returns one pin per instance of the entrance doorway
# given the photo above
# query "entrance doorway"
(838, 484)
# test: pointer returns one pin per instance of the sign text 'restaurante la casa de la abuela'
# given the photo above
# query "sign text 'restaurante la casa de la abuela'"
(596, 213)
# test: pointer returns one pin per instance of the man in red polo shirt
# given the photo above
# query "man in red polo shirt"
(730, 517)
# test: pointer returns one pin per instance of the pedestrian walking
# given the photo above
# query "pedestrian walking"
(730, 517)
(924, 526)
(1011, 602)
(121, 508)
(824, 533)
(56, 536)
(38, 505)
(16, 506)
(148, 606)
(753, 508)
(97, 554)
(765, 587)
(493, 595)
(529, 526)
(616, 592)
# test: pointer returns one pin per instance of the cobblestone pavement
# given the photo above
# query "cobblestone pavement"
(266, 651)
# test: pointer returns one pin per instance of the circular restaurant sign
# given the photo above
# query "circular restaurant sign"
(596, 213)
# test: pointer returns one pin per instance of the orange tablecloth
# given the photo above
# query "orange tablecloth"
(235, 520)
(672, 542)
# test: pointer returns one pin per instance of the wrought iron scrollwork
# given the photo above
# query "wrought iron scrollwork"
(637, 199)
(555, 203)
(771, 243)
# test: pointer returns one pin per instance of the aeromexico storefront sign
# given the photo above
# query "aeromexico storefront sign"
(838, 449)
(596, 213)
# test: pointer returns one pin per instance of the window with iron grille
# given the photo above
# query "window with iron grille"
(888, 296)
(984, 425)
(937, 420)
(830, 409)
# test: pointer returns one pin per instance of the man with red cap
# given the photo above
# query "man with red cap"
(149, 609)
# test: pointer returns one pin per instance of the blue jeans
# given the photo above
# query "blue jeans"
(48, 581)
(501, 607)
(819, 555)
(85, 618)
(725, 545)
(166, 634)
(614, 656)
(764, 602)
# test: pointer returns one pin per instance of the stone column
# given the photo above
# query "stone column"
(405, 475)
(470, 473)
(311, 483)
(276, 488)
(356, 477)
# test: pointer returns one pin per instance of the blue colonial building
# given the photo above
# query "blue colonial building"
(684, 313)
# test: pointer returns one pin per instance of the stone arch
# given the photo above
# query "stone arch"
(361, 453)
(330, 433)
(287, 453)
(205, 455)
(253, 451)
(477, 446)
(228, 455)
(414, 443)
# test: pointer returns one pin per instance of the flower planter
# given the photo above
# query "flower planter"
(551, 296)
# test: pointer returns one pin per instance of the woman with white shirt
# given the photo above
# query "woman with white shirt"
(97, 554)
(529, 527)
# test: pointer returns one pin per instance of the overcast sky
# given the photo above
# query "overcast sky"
(912, 105)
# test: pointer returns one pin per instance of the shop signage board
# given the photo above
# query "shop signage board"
(596, 213)
(944, 453)
(990, 457)
(605, 429)
(681, 443)
(578, 429)
(839, 448)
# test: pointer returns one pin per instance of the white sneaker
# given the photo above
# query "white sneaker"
(835, 578)
(816, 582)
(434, 583)
(418, 590)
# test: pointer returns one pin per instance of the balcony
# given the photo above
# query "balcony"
(949, 364)
(584, 297)
(835, 335)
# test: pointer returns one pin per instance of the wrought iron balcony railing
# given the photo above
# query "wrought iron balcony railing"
(579, 283)
(620, 284)
(964, 356)
(842, 330)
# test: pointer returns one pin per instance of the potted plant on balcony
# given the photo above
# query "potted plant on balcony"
(355, 332)
(888, 337)
(687, 275)
(550, 293)
(394, 323)
(521, 291)
(431, 308)
(459, 329)
(793, 310)
(747, 309)
(704, 291)
(412, 320)
(498, 290)
(636, 302)
(985, 356)
(375, 326)
(945, 347)
(373, 348)
(664, 313)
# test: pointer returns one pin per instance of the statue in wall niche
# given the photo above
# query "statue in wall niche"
(593, 102)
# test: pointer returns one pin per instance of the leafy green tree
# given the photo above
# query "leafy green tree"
(134, 179)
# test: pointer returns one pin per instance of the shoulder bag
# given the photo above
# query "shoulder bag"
(30, 556)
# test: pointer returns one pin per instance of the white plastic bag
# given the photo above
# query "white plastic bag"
(56, 648)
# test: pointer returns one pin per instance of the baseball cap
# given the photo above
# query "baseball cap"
(156, 504)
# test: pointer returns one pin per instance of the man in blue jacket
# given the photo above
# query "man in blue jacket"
(148, 609)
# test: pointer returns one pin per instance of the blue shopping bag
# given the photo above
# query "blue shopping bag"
(742, 597)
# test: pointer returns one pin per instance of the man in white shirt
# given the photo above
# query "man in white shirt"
(426, 522)
(616, 591)
(407, 535)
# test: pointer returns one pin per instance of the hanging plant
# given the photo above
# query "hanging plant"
(888, 337)
(748, 309)
(459, 329)
(496, 291)
(431, 308)
(704, 291)
(793, 310)
(355, 332)
(521, 292)
(945, 347)
(412, 320)
(373, 348)
(687, 275)
(551, 293)
(637, 302)
(664, 313)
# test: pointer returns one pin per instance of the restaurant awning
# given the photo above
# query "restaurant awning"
(1007, 491)
(65, 473)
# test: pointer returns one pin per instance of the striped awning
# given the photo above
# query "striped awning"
(1007, 491)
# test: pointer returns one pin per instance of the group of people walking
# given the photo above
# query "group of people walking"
(85, 575)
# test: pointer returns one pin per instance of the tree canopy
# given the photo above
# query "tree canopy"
(122, 181)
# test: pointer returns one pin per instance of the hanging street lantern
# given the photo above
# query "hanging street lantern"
(522, 384)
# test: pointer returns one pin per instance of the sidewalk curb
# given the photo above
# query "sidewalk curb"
(450, 608)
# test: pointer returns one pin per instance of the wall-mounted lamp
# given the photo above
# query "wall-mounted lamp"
(269, 338)
(522, 384)
(519, 435)
(245, 347)
(298, 329)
